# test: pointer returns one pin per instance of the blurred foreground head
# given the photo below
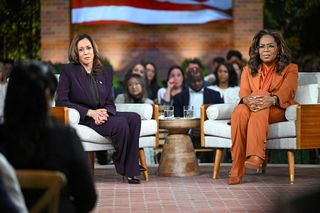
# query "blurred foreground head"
(31, 88)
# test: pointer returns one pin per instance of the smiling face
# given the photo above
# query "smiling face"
(268, 49)
(85, 51)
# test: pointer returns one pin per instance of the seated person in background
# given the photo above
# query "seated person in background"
(5, 70)
(196, 95)
(32, 139)
(86, 85)
(175, 85)
(139, 69)
(226, 83)
(211, 78)
(135, 91)
(152, 82)
(195, 64)
(235, 58)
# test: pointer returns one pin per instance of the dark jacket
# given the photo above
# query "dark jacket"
(182, 99)
(62, 151)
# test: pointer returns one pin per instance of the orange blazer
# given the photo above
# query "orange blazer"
(283, 85)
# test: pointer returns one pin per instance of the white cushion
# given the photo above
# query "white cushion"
(220, 111)
(218, 128)
(87, 134)
(149, 141)
(74, 116)
(217, 142)
(148, 127)
(291, 113)
(282, 143)
(144, 110)
(285, 129)
(307, 94)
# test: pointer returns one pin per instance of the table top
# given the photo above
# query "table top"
(179, 123)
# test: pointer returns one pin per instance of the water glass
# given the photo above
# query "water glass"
(188, 111)
(168, 112)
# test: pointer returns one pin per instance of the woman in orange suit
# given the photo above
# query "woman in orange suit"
(268, 85)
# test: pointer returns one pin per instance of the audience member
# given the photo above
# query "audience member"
(235, 58)
(139, 69)
(226, 83)
(135, 91)
(32, 139)
(87, 86)
(196, 95)
(175, 85)
(211, 78)
(11, 187)
(152, 82)
(194, 64)
(268, 86)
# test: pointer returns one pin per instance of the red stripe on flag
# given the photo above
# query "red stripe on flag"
(145, 4)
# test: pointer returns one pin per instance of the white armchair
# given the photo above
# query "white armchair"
(149, 134)
(300, 131)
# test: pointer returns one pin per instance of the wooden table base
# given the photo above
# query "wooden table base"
(178, 157)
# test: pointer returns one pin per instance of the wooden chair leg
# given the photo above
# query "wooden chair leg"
(217, 161)
(90, 156)
(142, 159)
(291, 165)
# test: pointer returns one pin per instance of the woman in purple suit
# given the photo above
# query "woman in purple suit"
(86, 85)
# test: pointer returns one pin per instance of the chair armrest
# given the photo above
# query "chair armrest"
(220, 111)
(144, 110)
(203, 117)
(308, 126)
(60, 113)
(74, 116)
(155, 116)
(291, 113)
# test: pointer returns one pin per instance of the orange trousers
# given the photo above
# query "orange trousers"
(249, 132)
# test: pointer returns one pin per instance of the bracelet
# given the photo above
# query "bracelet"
(274, 100)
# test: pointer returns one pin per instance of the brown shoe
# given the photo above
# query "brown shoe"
(233, 180)
(254, 162)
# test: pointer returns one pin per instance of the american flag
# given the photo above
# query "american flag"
(150, 11)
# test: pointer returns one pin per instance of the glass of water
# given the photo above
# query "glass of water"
(168, 112)
(188, 111)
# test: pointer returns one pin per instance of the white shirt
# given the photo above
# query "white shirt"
(229, 95)
(196, 100)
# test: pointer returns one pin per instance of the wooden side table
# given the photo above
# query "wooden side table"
(178, 157)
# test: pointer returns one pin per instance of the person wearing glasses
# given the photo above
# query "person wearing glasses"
(267, 88)
(135, 91)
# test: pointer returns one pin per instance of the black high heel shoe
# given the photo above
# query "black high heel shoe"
(132, 180)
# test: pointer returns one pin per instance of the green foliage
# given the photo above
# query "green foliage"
(20, 29)
(298, 22)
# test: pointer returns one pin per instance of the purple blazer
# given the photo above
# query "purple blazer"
(74, 90)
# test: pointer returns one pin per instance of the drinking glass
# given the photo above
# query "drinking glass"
(168, 112)
(188, 111)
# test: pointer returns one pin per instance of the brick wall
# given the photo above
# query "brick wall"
(165, 45)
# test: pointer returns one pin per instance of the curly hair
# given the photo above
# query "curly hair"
(283, 57)
(74, 55)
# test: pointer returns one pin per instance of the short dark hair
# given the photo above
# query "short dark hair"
(218, 60)
(235, 53)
